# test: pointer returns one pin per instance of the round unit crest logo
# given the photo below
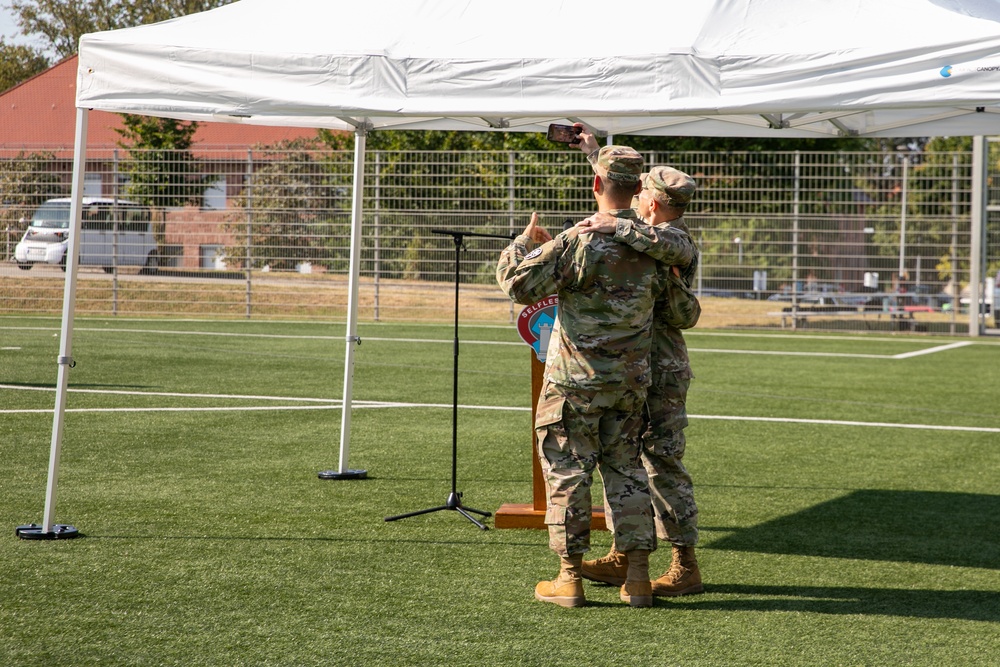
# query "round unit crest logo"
(535, 324)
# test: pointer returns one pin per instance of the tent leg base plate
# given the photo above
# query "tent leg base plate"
(345, 474)
(33, 531)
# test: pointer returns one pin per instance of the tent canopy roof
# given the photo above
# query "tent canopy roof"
(779, 68)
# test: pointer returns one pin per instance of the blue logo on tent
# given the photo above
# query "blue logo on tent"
(946, 71)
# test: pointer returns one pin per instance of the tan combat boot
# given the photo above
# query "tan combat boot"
(683, 577)
(566, 590)
(637, 590)
(610, 569)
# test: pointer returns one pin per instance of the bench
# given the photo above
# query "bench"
(899, 318)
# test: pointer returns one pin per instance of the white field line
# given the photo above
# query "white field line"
(932, 350)
(57, 324)
(336, 404)
(260, 408)
(782, 353)
(840, 422)
(223, 334)
(323, 403)
(687, 334)
(168, 332)
(173, 394)
(776, 353)
(449, 341)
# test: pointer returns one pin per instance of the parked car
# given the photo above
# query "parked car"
(113, 232)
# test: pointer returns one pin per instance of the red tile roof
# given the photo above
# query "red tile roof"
(40, 114)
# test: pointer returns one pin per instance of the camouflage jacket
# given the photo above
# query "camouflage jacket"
(671, 244)
(606, 293)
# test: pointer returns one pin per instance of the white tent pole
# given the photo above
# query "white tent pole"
(65, 360)
(357, 209)
(979, 161)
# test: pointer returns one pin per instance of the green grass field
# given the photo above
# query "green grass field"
(849, 489)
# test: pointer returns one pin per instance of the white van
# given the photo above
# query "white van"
(47, 238)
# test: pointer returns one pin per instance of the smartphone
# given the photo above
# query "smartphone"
(564, 134)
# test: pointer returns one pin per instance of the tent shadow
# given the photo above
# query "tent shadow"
(81, 385)
(955, 529)
(921, 603)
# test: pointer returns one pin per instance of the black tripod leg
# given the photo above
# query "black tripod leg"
(417, 513)
(469, 509)
(470, 517)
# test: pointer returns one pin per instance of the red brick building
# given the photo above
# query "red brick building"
(38, 117)
(40, 114)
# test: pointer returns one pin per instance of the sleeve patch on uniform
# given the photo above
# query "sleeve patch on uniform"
(534, 253)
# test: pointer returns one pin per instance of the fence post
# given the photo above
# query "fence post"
(978, 240)
(954, 242)
(796, 210)
(248, 260)
(378, 230)
(114, 235)
(904, 196)
(510, 208)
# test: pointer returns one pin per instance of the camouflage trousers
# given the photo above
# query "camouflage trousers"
(663, 444)
(580, 431)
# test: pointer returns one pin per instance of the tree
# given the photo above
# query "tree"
(535, 141)
(161, 169)
(733, 144)
(756, 155)
(439, 140)
(25, 182)
(481, 182)
(466, 176)
(18, 63)
(298, 209)
(60, 24)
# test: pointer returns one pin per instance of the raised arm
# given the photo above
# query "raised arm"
(528, 272)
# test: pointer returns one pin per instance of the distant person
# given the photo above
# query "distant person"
(596, 374)
(664, 197)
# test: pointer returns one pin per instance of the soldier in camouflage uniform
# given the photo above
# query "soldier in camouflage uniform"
(662, 202)
(596, 374)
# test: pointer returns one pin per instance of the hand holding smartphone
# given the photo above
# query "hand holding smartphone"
(564, 134)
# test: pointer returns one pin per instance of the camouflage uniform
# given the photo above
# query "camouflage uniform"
(663, 441)
(596, 374)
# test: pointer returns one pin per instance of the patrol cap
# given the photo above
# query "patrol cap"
(674, 184)
(619, 163)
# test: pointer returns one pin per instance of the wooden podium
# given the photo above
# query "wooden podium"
(512, 515)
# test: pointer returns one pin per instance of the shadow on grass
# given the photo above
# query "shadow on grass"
(956, 529)
(961, 605)
(77, 385)
(250, 539)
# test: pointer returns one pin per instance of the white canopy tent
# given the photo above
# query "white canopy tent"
(781, 68)
(814, 68)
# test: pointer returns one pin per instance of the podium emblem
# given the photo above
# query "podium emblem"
(535, 324)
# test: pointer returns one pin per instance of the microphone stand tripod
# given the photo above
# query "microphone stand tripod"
(454, 501)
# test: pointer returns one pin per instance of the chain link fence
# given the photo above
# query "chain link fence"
(824, 240)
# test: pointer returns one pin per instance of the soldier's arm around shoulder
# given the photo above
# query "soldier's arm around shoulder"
(669, 245)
